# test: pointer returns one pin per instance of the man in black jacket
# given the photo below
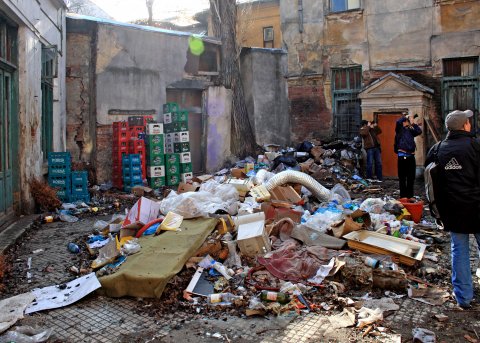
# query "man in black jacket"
(405, 132)
(459, 200)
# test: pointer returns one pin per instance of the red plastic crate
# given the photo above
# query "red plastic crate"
(136, 130)
(117, 156)
(135, 145)
(120, 126)
(120, 136)
(122, 145)
(139, 120)
(117, 181)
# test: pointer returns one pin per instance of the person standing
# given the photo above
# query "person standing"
(458, 201)
(405, 132)
(369, 132)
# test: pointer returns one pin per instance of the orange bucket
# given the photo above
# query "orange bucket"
(415, 208)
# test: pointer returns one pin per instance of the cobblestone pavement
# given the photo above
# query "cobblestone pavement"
(101, 319)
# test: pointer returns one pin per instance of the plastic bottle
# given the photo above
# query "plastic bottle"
(221, 269)
(279, 297)
(73, 248)
(222, 298)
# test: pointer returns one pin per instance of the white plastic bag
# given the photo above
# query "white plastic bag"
(26, 334)
(321, 221)
(340, 194)
(373, 205)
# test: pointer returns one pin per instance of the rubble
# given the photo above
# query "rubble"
(277, 241)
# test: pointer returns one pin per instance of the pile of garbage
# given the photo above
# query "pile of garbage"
(282, 241)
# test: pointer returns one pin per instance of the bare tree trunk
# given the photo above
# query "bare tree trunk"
(224, 17)
(149, 4)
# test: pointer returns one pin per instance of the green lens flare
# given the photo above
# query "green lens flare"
(196, 46)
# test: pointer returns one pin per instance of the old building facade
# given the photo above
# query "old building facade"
(32, 88)
(424, 55)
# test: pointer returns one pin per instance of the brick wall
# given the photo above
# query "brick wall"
(309, 115)
(103, 158)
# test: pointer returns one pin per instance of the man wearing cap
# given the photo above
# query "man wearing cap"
(371, 144)
(405, 132)
(459, 200)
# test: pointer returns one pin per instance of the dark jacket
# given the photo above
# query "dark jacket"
(459, 199)
(369, 136)
(404, 136)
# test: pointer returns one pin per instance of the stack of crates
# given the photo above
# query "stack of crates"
(177, 145)
(59, 174)
(155, 155)
(80, 186)
(131, 171)
(137, 146)
(121, 138)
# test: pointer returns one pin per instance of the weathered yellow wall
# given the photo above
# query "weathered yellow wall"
(252, 18)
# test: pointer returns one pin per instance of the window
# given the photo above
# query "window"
(347, 114)
(268, 35)
(344, 5)
(460, 86)
(49, 72)
(207, 63)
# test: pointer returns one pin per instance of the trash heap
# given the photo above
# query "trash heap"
(275, 235)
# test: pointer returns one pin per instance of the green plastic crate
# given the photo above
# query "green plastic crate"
(185, 168)
(156, 182)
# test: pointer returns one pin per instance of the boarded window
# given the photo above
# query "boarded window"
(460, 67)
(49, 72)
(268, 35)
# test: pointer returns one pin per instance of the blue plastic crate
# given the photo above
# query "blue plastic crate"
(131, 160)
(64, 193)
(79, 178)
(133, 179)
(59, 159)
(132, 169)
(59, 181)
(79, 190)
(55, 171)
(84, 198)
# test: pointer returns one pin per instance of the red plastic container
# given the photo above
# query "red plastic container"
(415, 208)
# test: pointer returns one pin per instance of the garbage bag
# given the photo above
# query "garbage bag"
(26, 334)
(339, 194)
(289, 161)
(305, 146)
(373, 205)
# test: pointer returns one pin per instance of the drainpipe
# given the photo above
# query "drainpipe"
(300, 16)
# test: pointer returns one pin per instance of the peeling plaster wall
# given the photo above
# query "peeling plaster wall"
(40, 22)
(410, 37)
(263, 72)
(218, 108)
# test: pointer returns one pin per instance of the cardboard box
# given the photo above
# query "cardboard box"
(252, 238)
(249, 167)
(181, 147)
(238, 173)
(260, 193)
(185, 157)
(202, 178)
(156, 182)
(169, 138)
(173, 180)
(187, 187)
(156, 171)
(157, 160)
(154, 129)
(154, 151)
(140, 191)
(181, 137)
(142, 212)
(186, 168)
(276, 213)
(240, 185)
(185, 177)
(154, 140)
(286, 193)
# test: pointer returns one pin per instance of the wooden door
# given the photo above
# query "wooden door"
(191, 100)
(387, 138)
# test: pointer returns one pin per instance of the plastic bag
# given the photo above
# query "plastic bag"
(368, 316)
(262, 176)
(321, 221)
(339, 194)
(131, 247)
(233, 259)
(68, 218)
(26, 334)
(373, 205)
(100, 224)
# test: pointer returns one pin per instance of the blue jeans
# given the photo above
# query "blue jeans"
(461, 273)
(374, 154)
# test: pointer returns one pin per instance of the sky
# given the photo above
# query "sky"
(129, 10)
